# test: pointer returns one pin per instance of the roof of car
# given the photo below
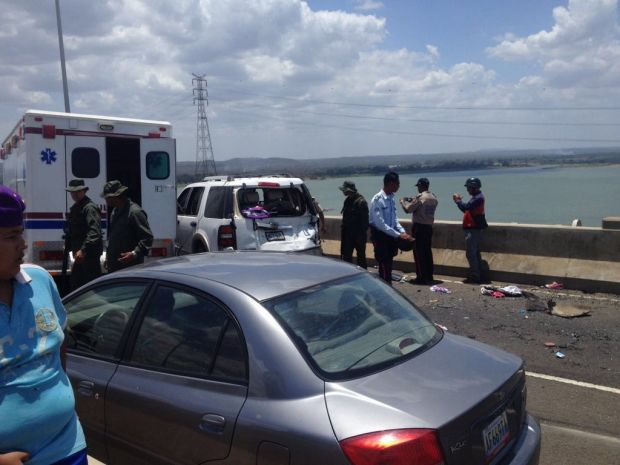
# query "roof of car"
(262, 275)
(281, 179)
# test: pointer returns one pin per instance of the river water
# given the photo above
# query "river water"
(536, 195)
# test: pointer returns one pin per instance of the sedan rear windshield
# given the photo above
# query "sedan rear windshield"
(349, 327)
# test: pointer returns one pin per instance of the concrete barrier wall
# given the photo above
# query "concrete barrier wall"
(579, 257)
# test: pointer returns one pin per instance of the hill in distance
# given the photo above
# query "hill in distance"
(379, 164)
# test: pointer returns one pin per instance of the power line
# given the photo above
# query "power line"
(438, 121)
(436, 134)
(427, 107)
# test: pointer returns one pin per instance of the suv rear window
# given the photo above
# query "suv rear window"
(353, 326)
(264, 202)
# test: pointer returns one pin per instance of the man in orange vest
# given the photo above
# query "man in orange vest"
(474, 222)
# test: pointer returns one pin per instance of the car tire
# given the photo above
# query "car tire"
(200, 247)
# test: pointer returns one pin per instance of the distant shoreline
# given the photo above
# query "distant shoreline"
(448, 169)
(325, 168)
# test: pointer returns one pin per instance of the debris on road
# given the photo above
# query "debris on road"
(536, 304)
(549, 344)
(569, 310)
(559, 354)
(554, 285)
(441, 290)
(500, 292)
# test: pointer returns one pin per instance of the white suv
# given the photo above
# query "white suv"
(247, 213)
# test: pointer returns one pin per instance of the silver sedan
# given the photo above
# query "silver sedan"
(267, 358)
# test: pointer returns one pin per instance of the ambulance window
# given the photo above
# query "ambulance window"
(85, 162)
(157, 165)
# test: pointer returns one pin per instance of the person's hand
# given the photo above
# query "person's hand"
(127, 257)
(323, 230)
(456, 197)
(79, 256)
(14, 458)
(406, 236)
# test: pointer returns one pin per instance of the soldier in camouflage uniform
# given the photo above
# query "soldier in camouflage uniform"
(84, 236)
(129, 233)
(354, 233)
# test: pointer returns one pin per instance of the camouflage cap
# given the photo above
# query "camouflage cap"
(113, 189)
(348, 187)
(76, 185)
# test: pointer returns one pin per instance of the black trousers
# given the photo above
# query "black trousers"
(385, 250)
(82, 273)
(422, 252)
(353, 241)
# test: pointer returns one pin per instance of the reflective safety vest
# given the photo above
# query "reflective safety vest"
(475, 218)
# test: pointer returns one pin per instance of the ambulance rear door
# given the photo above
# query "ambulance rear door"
(158, 176)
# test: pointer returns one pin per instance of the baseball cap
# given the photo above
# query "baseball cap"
(11, 208)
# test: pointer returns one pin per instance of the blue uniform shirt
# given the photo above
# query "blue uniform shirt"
(37, 407)
(383, 214)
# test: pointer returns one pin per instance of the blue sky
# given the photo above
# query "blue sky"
(298, 79)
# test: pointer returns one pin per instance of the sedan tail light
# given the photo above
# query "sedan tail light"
(396, 447)
(226, 237)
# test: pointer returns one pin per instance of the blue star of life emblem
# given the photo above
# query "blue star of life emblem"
(48, 156)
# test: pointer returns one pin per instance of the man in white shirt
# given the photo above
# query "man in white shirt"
(385, 230)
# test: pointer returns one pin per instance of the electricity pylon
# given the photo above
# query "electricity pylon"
(205, 162)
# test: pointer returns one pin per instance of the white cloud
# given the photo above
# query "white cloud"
(279, 72)
(433, 51)
(580, 28)
(368, 5)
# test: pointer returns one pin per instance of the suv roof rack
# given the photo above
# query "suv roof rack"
(218, 178)
(232, 177)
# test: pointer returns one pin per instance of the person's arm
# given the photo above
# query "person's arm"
(14, 458)
(61, 314)
(93, 223)
(470, 205)
(364, 215)
(407, 206)
(144, 233)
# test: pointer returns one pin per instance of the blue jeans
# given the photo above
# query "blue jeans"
(472, 252)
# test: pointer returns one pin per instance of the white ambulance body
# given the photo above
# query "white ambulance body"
(47, 149)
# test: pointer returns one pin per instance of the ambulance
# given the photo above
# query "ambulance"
(47, 149)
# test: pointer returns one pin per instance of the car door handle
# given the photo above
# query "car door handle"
(193, 223)
(86, 388)
(212, 423)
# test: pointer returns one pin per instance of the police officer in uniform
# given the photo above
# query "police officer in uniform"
(84, 236)
(422, 208)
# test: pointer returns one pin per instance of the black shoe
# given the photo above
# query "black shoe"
(419, 281)
(470, 281)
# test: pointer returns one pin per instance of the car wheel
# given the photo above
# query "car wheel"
(199, 247)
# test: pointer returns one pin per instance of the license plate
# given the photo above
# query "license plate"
(495, 436)
(274, 235)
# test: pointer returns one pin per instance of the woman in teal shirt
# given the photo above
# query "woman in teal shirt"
(39, 425)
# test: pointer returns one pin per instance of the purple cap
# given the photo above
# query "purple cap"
(11, 208)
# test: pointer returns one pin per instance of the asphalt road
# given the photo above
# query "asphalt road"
(575, 398)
